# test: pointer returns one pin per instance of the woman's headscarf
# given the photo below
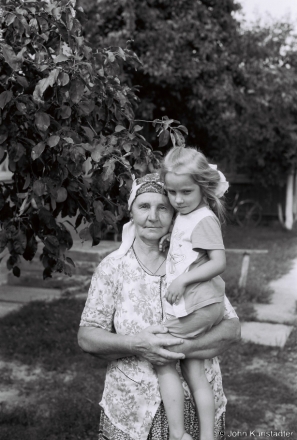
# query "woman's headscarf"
(150, 183)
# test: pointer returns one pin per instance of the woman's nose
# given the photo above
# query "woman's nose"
(153, 215)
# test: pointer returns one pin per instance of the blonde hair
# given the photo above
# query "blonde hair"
(184, 160)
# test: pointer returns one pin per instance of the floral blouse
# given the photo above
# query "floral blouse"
(123, 298)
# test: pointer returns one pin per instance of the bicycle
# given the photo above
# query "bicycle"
(245, 212)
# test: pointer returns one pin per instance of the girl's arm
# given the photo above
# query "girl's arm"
(110, 346)
(215, 266)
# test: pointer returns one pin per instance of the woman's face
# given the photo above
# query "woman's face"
(152, 215)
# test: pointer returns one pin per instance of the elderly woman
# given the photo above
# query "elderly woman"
(122, 322)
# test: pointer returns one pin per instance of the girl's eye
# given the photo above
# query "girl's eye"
(187, 192)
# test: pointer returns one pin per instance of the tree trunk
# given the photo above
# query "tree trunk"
(289, 202)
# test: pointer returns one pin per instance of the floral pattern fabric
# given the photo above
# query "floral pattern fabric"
(123, 298)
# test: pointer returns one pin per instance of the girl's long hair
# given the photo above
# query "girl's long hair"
(182, 160)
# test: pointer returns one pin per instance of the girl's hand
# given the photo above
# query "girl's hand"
(164, 242)
(176, 290)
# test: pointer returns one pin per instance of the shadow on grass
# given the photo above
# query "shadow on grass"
(45, 334)
(62, 401)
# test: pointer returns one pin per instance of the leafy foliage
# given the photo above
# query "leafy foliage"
(263, 129)
(67, 127)
(234, 89)
(190, 66)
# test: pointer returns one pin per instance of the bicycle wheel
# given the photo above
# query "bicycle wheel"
(248, 213)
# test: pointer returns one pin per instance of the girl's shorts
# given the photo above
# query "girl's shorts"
(198, 322)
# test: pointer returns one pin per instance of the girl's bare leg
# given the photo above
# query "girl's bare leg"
(173, 398)
(194, 374)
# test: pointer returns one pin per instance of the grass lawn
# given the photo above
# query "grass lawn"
(53, 388)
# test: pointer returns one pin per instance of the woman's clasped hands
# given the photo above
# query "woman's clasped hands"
(151, 342)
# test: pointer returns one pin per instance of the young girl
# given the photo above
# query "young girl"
(195, 292)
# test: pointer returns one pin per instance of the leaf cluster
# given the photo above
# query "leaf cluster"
(67, 131)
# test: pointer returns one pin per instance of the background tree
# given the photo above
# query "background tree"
(190, 66)
(234, 89)
(63, 112)
(264, 130)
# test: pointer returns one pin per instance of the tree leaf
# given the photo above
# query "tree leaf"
(109, 167)
(95, 231)
(86, 106)
(21, 107)
(17, 151)
(3, 241)
(61, 195)
(99, 149)
(164, 138)
(85, 234)
(39, 188)
(42, 121)
(110, 218)
(51, 243)
(119, 128)
(183, 128)
(89, 133)
(27, 181)
(65, 111)
(16, 271)
(98, 210)
(10, 57)
(20, 243)
(60, 59)
(5, 98)
(70, 261)
(76, 91)
(43, 84)
(180, 140)
(22, 81)
(37, 150)
(172, 139)
(31, 249)
(137, 128)
(53, 141)
(63, 79)
(3, 137)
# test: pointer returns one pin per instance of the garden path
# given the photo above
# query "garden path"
(275, 321)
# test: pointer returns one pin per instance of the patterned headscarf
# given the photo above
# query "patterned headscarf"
(150, 183)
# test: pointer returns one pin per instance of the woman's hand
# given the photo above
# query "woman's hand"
(150, 343)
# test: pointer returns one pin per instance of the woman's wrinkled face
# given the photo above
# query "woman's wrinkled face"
(152, 215)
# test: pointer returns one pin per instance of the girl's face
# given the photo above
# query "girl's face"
(184, 194)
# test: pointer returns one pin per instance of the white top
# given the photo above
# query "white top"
(192, 235)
